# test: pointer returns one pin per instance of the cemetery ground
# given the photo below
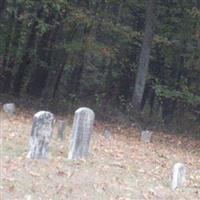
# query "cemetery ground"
(120, 168)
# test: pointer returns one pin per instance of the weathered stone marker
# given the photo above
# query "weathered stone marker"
(9, 108)
(146, 136)
(61, 129)
(41, 133)
(82, 131)
(107, 133)
(178, 178)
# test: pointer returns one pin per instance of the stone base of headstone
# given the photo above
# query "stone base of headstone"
(9, 108)
(41, 134)
(178, 177)
(82, 131)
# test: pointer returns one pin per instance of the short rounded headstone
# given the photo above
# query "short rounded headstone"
(146, 136)
(9, 108)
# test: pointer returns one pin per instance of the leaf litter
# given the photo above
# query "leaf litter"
(121, 168)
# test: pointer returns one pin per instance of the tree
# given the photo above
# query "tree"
(95, 50)
(144, 54)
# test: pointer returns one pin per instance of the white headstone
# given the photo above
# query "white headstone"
(178, 177)
(41, 134)
(9, 108)
(146, 136)
(82, 131)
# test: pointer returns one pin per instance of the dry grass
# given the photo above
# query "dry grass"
(122, 168)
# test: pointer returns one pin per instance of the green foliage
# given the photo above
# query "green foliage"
(184, 96)
(69, 49)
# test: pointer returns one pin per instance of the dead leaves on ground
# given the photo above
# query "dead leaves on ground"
(122, 164)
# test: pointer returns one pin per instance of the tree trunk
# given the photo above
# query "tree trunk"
(55, 74)
(118, 18)
(2, 7)
(26, 58)
(76, 76)
(58, 78)
(10, 57)
(38, 74)
(144, 55)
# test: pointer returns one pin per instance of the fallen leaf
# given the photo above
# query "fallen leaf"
(11, 188)
(61, 173)
(34, 174)
(70, 174)
(59, 188)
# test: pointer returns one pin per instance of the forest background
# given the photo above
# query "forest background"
(128, 58)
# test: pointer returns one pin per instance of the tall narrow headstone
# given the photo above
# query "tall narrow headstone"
(178, 178)
(41, 134)
(61, 129)
(9, 108)
(82, 131)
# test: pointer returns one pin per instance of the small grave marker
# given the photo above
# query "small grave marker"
(146, 136)
(41, 134)
(82, 131)
(178, 178)
(9, 108)
(107, 133)
(61, 129)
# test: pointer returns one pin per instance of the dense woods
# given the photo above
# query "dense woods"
(124, 54)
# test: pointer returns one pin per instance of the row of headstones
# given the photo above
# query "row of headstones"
(42, 130)
(145, 135)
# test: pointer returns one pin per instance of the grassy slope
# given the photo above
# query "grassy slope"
(122, 168)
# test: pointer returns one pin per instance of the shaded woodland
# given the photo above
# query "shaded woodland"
(115, 54)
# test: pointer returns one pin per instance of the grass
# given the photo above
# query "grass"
(122, 168)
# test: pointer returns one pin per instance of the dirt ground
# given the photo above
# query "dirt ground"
(122, 168)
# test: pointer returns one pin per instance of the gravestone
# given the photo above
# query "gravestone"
(61, 129)
(82, 131)
(146, 136)
(41, 134)
(178, 178)
(107, 133)
(9, 108)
